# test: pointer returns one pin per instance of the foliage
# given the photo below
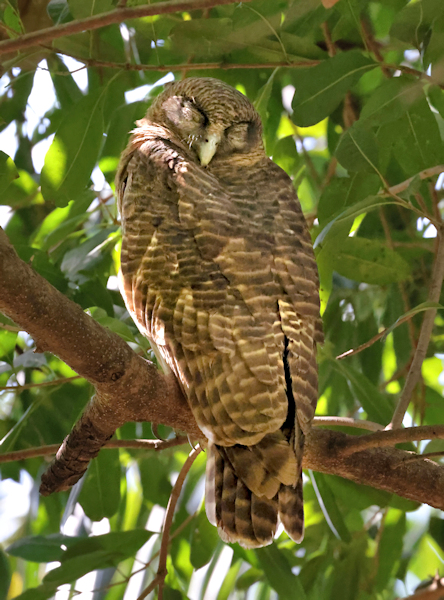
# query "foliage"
(367, 114)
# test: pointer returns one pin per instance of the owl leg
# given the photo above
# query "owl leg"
(240, 515)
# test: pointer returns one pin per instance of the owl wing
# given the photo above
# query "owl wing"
(188, 275)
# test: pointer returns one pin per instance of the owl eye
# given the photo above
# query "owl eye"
(241, 136)
(184, 114)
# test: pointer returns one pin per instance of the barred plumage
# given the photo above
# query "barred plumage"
(217, 270)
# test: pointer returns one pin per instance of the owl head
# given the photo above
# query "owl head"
(213, 119)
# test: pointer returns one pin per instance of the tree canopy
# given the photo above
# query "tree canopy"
(351, 97)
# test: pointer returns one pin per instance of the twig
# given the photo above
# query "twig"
(135, 444)
(331, 48)
(346, 422)
(370, 342)
(28, 386)
(119, 15)
(433, 591)
(422, 456)
(163, 555)
(273, 31)
(410, 71)
(381, 439)
(90, 62)
(424, 336)
(401, 187)
(372, 45)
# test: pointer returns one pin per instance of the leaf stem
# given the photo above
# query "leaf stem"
(346, 422)
(174, 497)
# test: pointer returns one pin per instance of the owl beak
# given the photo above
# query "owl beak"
(207, 148)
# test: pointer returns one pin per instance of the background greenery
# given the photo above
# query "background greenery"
(367, 114)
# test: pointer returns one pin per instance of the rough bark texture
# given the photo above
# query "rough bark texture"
(129, 388)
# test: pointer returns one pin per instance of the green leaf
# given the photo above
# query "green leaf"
(427, 559)
(37, 548)
(74, 150)
(391, 100)
(420, 308)
(279, 574)
(8, 171)
(369, 261)
(249, 578)
(100, 495)
(412, 23)
(420, 146)
(42, 592)
(343, 192)
(81, 9)
(320, 89)
(390, 547)
(5, 575)
(263, 97)
(379, 407)
(98, 552)
(344, 220)
(228, 584)
(48, 418)
(203, 541)
(58, 10)
(436, 97)
(329, 506)
(358, 150)
(348, 571)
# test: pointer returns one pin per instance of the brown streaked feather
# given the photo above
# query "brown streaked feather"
(218, 271)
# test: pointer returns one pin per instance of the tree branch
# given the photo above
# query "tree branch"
(44, 36)
(401, 187)
(346, 422)
(129, 388)
(424, 336)
(380, 468)
(90, 62)
(134, 444)
(390, 437)
(434, 591)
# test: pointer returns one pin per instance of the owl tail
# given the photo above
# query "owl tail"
(251, 517)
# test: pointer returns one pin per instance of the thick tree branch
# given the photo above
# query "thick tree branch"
(380, 468)
(129, 388)
(45, 36)
(434, 591)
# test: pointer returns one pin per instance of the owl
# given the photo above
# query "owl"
(218, 271)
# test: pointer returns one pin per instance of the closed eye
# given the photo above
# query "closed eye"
(239, 135)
